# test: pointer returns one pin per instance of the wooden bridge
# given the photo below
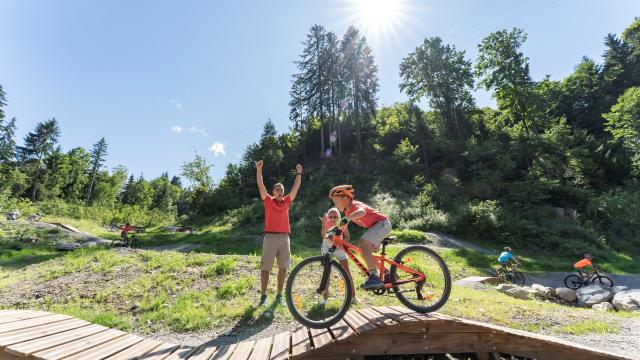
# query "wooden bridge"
(363, 334)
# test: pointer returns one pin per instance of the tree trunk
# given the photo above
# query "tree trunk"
(93, 176)
(35, 179)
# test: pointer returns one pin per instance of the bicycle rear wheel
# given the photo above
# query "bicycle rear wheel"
(573, 282)
(429, 294)
(304, 299)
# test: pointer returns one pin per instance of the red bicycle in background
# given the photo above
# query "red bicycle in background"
(319, 290)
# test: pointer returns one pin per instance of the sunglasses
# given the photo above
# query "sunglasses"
(332, 217)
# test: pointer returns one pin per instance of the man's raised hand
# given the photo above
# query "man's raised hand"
(259, 164)
(298, 169)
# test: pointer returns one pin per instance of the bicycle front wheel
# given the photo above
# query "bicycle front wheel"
(518, 278)
(573, 282)
(426, 295)
(603, 281)
(311, 306)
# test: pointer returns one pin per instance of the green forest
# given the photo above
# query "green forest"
(553, 169)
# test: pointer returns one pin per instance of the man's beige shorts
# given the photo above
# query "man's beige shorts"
(275, 246)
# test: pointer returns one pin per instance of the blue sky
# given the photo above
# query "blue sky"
(135, 71)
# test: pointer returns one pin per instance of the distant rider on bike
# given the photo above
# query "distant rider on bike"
(506, 258)
(585, 266)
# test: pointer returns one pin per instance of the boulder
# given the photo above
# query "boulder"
(627, 300)
(503, 288)
(543, 291)
(566, 294)
(617, 289)
(605, 306)
(593, 294)
(518, 293)
(467, 282)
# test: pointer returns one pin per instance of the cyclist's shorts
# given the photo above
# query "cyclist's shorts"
(378, 232)
(339, 253)
(275, 246)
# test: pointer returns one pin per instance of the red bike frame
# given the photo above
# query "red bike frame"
(350, 249)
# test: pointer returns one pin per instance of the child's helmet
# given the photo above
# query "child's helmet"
(506, 248)
(342, 190)
(588, 256)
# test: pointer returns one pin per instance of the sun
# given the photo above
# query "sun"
(377, 16)
(380, 21)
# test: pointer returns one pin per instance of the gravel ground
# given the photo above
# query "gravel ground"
(626, 342)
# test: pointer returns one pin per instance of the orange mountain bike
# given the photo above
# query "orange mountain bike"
(319, 290)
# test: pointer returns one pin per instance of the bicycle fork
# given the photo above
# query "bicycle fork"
(326, 263)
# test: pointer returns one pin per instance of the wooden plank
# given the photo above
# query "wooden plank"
(107, 349)
(136, 351)
(320, 337)
(377, 318)
(35, 345)
(4, 313)
(23, 316)
(224, 352)
(161, 352)
(482, 356)
(358, 323)
(281, 346)
(243, 350)
(182, 353)
(395, 315)
(18, 336)
(341, 330)
(76, 346)
(261, 349)
(25, 324)
(417, 315)
(300, 341)
(203, 353)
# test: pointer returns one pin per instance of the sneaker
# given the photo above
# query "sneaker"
(263, 300)
(279, 300)
(373, 282)
(323, 302)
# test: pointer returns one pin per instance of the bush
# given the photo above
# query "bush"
(409, 236)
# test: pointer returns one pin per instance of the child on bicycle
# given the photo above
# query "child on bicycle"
(506, 258)
(329, 220)
(585, 266)
(124, 234)
(377, 224)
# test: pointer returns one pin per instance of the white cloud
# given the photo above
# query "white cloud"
(177, 129)
(217, 149)
(199, 131)
(175, 103)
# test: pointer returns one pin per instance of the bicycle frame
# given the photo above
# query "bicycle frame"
(350, 249)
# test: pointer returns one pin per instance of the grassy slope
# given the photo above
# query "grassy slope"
(153, 291)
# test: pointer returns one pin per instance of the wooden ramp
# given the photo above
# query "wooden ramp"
(362, 334)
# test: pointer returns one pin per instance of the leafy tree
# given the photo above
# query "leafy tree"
(76, 177)
(623, 122)
(38, 144)
(503, 68)
(441, 74)
(98, 153)
(197, 171)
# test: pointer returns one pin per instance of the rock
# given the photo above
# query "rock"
(518, 293)
(605, 306)
(566, 294)
(503, 288)
(593, 294)
(544, 291)
(617, 289)
(627, 300)
(467, 282)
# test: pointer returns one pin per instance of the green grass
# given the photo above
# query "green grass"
(589, 327)
(151, 291)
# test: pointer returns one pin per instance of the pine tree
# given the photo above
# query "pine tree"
(38, 144)
(98, 152)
